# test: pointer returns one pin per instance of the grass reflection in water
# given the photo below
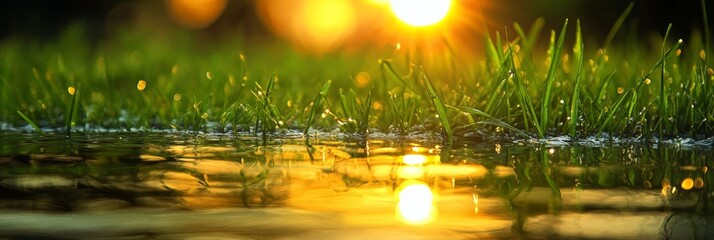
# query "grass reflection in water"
(352, 186)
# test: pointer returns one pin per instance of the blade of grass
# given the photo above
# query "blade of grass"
(527, 109)
(663, 93)
(69, 120)
(555, 59)
(367, 107)
(529, 40)
(612, 111)
(660, 62)
(503, 70)
(32, 123)
(439, 105)
(707, 37)
(492, 120)
(578, 52)
(618, 23)
(386, 65)
(317, 103)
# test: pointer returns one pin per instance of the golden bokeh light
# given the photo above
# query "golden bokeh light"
(698, 183)
(420, 13)
(314, 25)
(141, 85)
(363, 79)
(415, 203)
(195, 14)
(71, 90)
(687, 183)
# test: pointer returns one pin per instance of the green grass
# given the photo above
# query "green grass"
(517, 88)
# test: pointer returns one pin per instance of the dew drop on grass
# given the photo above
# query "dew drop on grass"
(648, 81)
(620, 90)
(71, 90)
(209, 75)
(702, 54)
(177, 97)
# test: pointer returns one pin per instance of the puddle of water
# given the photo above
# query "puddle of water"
(174, 186)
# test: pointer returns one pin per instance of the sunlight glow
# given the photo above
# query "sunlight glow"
(420, 13)
(414, 159)
(410, 172)
(415, 204)
(195, 14)
(315, 25)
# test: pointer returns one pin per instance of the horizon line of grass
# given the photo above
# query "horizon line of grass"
(512, 91)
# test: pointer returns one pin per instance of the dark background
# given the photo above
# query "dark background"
(44, 19)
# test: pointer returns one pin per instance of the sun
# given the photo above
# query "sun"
(420, 13)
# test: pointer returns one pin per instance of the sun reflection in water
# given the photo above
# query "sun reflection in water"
(415, 203)
(414, 159)
(410, 172)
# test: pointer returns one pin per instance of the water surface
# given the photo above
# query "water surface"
(206, 186)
